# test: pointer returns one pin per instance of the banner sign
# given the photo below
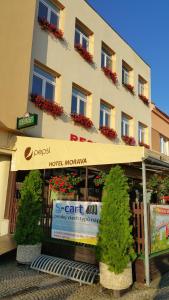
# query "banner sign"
(76, 221)
(159, 215)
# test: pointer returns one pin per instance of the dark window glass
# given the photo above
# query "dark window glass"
(109, 63)
(84, 43)
(82, 108)
(37, 85)
(43, 10)
(74, 104)
(123, 81)
(106, 120)
(77, 37)
(101, 118)
(49, 92)
(54, 19)
(102, 60)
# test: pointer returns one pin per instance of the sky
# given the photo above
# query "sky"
(145, 26)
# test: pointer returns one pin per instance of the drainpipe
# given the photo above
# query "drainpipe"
(146, 241)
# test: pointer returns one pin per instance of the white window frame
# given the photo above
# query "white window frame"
(50, 9)
(82, 36)
(44, 81)
(140, 88)
(107, 57)
(80, 97)
(125, 123)
(163, 145)
(106, 111)
(125, 75)
(141, 133)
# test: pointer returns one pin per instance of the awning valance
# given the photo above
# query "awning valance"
(40, 153)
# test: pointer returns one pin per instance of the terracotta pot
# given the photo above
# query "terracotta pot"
(27, 253)
(113, 281)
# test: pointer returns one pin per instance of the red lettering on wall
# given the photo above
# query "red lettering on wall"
(81, 139)
(74, 137)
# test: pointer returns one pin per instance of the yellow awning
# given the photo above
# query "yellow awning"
(40, 153)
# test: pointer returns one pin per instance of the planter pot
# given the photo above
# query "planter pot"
(27, 253)
(113, 281)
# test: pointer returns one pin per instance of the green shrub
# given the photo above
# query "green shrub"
(115, 241)
(28, 230)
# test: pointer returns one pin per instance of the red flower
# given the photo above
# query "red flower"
(111, 75)
(144, 99)
(129, 87)
(82, 120)
(53, 109)
(84, 53)
(129, 140)
(108, 132)
(45, 25)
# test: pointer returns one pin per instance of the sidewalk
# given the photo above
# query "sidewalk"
(20, 282)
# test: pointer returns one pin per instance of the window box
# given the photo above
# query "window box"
(51, 28)
(129, 87)
(52, 109)
(109, 74)
(129, 140)
(145, 145)
(82, 120)
(84, 53)
(144, 99)
(108, 132)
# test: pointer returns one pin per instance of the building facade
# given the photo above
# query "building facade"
(62, 61)
(160, 130)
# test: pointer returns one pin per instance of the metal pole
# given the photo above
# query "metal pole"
(146, 242)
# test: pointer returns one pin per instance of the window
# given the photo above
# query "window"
(125, 75)
(105, 114)
(79, 100)
(125, 122)
(81, 38)
(49, 11)
(163, 145)
(140, 88)
(106, 60)
(43, 84)
(141, 133)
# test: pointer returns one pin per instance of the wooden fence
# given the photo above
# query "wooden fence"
(138, 226)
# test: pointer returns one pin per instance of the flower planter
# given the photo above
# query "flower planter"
(113, 281)
(129, 87)
(144, 99)
(145, 145)
(108, 132)
(109, 74)
(129, 140)
(53, 109)
(27, 253)
(46, 26)
(82, 120)
(63, 196)
(84, 53)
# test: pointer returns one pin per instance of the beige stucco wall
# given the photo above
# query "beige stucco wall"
(16, 30)
(63, 59)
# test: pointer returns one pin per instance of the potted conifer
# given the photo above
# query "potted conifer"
(115, 242)
(28, 231)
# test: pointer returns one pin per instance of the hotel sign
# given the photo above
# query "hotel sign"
(27, 121)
